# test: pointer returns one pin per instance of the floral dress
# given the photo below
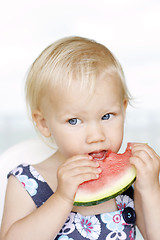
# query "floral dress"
(118, 225)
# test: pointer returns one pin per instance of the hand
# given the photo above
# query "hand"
(73, 172)
(147, 164)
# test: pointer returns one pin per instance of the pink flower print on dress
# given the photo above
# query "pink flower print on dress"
(88, 226)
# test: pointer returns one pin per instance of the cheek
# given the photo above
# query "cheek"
(69, 148)
(67, 142)
(119, 131)
(116, 136)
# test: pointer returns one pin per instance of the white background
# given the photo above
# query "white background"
(130, 29)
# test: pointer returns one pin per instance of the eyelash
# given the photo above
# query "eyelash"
(74, 121)
(109, 115)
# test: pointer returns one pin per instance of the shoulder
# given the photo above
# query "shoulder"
(33, 182)
(48, 170)
(18, 203)
(15, 197)
(16, 189)
(16, 194)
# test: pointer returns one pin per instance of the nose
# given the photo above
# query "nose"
(95, 133)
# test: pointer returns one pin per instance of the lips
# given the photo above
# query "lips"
(99, 155)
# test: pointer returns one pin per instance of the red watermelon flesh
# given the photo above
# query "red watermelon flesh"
(117, 175)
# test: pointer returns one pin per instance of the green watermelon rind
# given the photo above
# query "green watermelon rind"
(96, 202)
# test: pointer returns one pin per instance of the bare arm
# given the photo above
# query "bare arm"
(147, 190)
(150, 208)
(42, 223)
(22, 220)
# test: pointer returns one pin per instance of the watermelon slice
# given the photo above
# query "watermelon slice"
(117, 176)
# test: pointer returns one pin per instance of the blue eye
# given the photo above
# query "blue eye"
(106, 116)
(74, 121)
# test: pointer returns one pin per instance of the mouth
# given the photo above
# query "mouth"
(99, 155)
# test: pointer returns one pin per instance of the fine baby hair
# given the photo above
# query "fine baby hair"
(70, 59)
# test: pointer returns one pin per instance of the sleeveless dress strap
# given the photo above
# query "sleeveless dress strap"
(33, 182)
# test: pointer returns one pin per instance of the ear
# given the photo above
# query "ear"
(125, 104)
(41, 123)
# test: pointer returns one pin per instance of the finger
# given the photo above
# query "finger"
(81, 178)
(137, 162)
(76, 168)
(146, 153)
(74, 178)
(79, 157)
(144, 165)
(84, 170)
(142, 156)
(141, 169)
(81, 162)
(145, 147)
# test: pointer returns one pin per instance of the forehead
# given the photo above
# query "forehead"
(107, 88)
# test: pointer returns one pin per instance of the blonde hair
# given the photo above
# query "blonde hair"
(70, 59)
